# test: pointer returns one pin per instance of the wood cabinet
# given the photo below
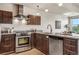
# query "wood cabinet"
(45, 44)
(7, 43)
(41, 42)
(5, 17)
(1, 17)
(38, 20)
(34, 20)
(70, 46)
(33, 37)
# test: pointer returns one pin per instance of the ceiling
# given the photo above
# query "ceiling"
(54, 8)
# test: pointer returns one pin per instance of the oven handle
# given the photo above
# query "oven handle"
(22, 36)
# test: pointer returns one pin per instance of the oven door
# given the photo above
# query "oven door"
(22, 41)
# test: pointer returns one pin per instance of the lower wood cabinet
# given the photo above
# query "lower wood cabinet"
(7, 43)
(41, 42)
(33, 37)
(55, 45)
(70, 46)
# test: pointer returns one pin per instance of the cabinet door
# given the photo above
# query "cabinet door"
(7, 17)
(33, 37)
(7, 43)
(38, 20)
(12, 42)
(30, 20)
(38, 37)
(42, 43)
(70, 46)
(45, 44)
(39, 41)
(34, 20)
(1, 16)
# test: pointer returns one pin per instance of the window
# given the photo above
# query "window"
(57, 24)
(75, 25)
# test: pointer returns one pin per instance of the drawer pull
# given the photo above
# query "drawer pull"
(47, 36)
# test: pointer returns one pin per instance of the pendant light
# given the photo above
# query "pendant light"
(38, 9)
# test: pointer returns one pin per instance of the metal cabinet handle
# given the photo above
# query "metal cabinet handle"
(0, 38)
(47, 36)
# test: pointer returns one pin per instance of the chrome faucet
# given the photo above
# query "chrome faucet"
(50, 27)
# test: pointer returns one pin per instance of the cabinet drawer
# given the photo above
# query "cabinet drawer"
(70, 41)
(70, 47)
(69, 52)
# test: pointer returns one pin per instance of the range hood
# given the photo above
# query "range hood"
(19, 12)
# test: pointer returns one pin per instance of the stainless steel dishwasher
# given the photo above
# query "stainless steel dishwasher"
(55, 46)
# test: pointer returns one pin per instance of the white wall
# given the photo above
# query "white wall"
(46, 19)
(64, 21)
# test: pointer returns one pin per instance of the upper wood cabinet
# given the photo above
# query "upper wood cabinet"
(34, 20)
(38, 20)
(5, 17)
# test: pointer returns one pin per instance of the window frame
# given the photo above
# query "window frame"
(69, 22)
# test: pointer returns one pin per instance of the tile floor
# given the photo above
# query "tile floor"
(30, 52)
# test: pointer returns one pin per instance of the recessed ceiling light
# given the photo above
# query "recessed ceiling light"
(46, 10)
(60, 4)
(37, 13)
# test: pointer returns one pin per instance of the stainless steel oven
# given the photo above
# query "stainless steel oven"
(23, 43)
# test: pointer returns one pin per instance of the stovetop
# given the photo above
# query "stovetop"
(23, 33)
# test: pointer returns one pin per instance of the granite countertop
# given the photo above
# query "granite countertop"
(65, 36)
(60, 35)
(51, 34)
(7, 33)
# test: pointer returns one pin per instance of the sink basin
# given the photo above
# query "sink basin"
(73, 34)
